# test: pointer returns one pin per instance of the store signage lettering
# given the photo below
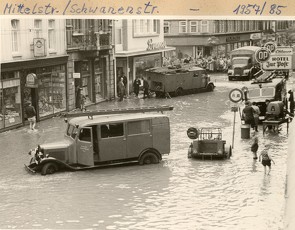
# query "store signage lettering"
(278, 62)
(233, 39)
(39, 47)
(31, 81)
(155, 46)
(255, 36)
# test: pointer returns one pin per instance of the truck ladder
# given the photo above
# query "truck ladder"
(119, 111)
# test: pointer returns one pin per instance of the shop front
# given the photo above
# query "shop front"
(134, 64)
(40, 82)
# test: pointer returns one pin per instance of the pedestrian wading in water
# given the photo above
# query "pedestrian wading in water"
(254, 147)
(266, 160)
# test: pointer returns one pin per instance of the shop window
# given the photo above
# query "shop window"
(10, 102)
(182, 27)
(138, 127)
(51, 35)
(15, 35)
(52, 90)
(38, 28)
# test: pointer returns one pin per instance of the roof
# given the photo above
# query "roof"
(85, 121)
(253, 48)
(171, 70)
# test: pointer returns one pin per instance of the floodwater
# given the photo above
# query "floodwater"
(178, 193)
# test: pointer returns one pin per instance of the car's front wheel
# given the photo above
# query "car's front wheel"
(49, 168)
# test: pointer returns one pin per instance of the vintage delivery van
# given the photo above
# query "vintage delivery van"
(166, 81)
(94, 141)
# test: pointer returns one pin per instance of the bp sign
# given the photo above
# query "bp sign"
(236, 95)
(262, 55)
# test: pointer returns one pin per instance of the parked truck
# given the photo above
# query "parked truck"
(172, 81)
(242, 60)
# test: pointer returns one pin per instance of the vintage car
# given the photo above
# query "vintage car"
(119, 137)
(208, 143)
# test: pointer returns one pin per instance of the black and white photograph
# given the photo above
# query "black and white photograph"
(147, 123)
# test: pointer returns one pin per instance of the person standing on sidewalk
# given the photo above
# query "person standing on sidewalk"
(121, 89)
(136, 85)
(31, 115)
(146, 89)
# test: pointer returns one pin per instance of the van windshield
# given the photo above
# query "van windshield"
(72, 131)
(241, 61)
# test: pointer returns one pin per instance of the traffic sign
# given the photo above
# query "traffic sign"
(236, 95)
(271, 46)
(262, 55)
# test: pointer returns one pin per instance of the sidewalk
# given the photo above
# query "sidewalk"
(290, 181)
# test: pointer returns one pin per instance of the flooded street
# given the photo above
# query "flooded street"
(178, 193)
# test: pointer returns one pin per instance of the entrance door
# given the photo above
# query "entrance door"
(31, 95)
(85, 152)
(112, 144)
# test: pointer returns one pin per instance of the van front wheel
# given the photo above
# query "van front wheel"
(149, 158)
(49, 168)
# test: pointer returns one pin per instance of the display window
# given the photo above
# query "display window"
(10, 100)
(51, 90)
(97, 80)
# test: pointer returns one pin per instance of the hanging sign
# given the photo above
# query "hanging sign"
(31, 81)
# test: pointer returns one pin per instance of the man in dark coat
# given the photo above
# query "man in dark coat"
(146, 88)
(248, 114)
(121, 89)
(136, 85)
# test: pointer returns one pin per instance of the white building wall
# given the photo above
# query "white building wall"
(27, 33)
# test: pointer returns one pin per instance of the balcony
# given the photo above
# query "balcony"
(93, 41)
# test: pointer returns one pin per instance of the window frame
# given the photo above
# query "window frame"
(52, 36)
(15, 37)
(182, 24)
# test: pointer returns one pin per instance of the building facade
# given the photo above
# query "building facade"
(139, 44)
(33, 69)
(217, 38)
(90, 63)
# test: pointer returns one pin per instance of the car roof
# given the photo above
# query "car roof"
(170, 70)
(85, 121)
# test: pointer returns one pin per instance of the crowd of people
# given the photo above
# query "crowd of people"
(211, 64)
(122, 87)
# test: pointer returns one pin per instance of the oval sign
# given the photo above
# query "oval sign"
(236, 95)
(271, 46)
(262, 55)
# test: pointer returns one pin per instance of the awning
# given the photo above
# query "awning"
(142, 52)
(17, 65)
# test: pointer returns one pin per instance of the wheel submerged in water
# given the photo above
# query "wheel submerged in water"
(149, 158)
(49, 168)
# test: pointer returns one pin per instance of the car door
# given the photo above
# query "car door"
(112, 142)
(85, 153)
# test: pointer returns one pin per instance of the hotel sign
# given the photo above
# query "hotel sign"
(39, 47)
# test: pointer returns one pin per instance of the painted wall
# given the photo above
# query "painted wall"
(27, 33)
